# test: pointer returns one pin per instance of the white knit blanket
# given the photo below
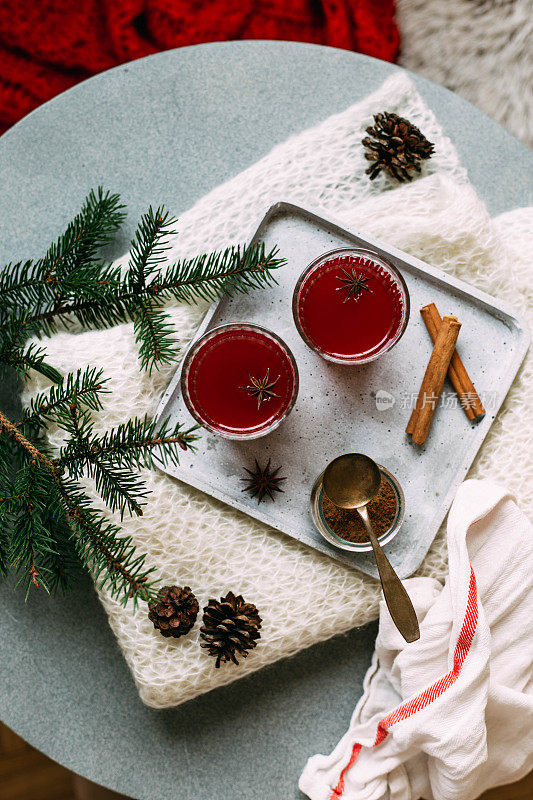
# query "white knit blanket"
(303, 597)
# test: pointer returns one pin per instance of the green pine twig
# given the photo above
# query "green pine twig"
(16, 354)
(86, 385)
(155, 335)
(46, 283)
(112, 559)
(149, 246)
(35, 508)
(47, 521)
(138, 443)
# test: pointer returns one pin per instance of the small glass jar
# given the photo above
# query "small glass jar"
(216, 380)
(317, 496)
(351, 305)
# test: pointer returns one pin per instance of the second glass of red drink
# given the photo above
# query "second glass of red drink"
(351, 306)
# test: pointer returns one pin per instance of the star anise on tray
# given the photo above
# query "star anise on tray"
(263, 481)
(262, 388)
(354, 284)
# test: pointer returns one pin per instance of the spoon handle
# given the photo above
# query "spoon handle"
(398, 601)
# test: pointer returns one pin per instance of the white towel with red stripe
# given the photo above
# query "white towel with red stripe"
(451, 715)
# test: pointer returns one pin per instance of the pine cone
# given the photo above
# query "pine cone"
(397, 147)
(175, 611)
(230, 628)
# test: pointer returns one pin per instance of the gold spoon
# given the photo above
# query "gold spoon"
(351, 481)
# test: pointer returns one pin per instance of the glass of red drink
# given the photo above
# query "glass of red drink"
(351, 305)
(239, 380)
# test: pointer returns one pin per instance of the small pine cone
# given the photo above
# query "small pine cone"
(175, 611)
(230, 628)
(396, 146)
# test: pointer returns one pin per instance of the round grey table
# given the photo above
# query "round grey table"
(168, 129)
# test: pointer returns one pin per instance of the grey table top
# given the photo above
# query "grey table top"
(168, 129)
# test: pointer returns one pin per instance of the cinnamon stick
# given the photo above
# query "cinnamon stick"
(433, 381)
(468, 397)
(412, 420)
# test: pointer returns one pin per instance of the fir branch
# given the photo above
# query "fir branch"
(111, 558)
(64, 563)
(6, 454)
(41, 546)
(155, 336)
(95, 226)
(67, 267)
(19, 285)
(33, 452)
(148, 247)
(140, 443)
(16, 355)
(7, 498)
(118, 487)
(69, 284)
(111, 307)
(205, 277)
(76, 421)
(24, 360)
(46, 518)
(67, 271)
(35, 506)
(211, 276)
(84, 385)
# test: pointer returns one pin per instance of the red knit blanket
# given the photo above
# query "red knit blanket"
(48, 45)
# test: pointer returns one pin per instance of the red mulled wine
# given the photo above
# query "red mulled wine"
(351, 306)
(239, 381)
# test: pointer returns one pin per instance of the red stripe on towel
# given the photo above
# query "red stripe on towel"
(339, 788)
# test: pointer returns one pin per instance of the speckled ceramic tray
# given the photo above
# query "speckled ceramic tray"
(362, 409)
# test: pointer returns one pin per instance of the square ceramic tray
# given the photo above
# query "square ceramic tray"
(359, 409)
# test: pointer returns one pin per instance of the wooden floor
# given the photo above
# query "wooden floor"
(25, 774)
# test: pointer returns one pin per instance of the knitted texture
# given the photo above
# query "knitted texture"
(193, 539)
(48, 45)
(480, 49)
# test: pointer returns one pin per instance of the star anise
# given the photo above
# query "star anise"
(354, 283)
(262, 388)
(263, 481)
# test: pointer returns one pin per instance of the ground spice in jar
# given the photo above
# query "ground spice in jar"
(347, 523)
